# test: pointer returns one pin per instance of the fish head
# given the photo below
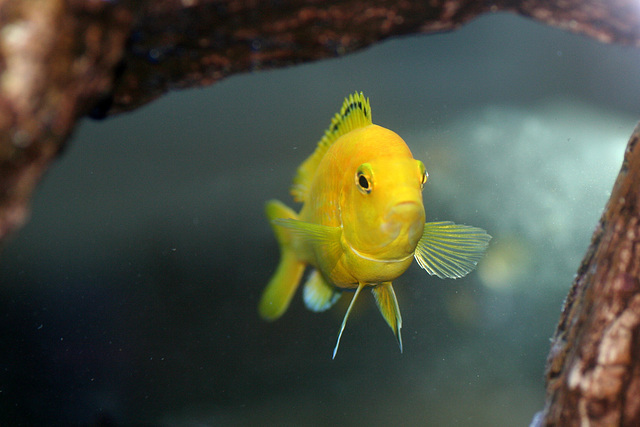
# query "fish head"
(382, 212)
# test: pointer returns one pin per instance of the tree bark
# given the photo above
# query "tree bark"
(593, 369)
(56, 59)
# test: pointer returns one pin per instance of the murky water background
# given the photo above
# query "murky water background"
(131, 295)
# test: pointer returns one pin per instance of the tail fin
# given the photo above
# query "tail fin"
(284, 282)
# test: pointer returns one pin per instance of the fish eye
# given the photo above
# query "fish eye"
(363, 178)
(423, 173)
(363, 182)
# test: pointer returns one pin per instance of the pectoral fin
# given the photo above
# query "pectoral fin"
(318, 294)
(449, 250)
(346, 316)
(325, 239)
(388, 306)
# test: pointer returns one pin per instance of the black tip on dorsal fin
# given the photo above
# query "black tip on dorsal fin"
(355, 113)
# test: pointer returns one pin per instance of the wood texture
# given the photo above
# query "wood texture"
(593, 369)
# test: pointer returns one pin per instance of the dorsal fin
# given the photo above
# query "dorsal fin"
(355, 113)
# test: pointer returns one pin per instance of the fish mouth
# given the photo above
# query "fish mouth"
(402, 209)
(404, 212)
(405, 220)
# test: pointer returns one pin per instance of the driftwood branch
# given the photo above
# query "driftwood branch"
(593, 369)
(56, 59)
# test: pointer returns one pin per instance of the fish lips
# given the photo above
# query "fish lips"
(404, 221)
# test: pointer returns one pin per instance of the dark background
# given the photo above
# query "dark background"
(130, 297)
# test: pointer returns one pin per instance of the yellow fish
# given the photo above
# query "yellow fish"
(362, 222)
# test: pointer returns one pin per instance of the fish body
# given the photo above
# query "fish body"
(369, 221)
(362, 222)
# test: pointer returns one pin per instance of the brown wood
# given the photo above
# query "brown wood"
(593, 369)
